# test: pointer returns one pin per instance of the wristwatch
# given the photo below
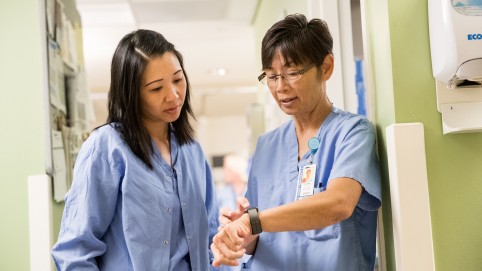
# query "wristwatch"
(254, 220)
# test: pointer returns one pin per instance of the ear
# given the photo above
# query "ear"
(328, 65)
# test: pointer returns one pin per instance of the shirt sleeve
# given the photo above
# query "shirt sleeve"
(212, 212)
(89, 207)
(356, 158)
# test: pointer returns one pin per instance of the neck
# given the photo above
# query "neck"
(158, 132)
(310, 122)
(160, 135)
(307, 127)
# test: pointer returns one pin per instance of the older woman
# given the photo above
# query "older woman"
(327, 222)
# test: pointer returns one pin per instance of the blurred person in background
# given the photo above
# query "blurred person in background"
(235, 177)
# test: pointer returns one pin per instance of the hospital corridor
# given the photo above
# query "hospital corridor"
(236, 135)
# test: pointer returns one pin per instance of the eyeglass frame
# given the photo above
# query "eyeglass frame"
(280, 75)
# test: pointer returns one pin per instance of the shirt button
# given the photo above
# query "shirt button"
(183, 204)
(166, 242)
(189, 237)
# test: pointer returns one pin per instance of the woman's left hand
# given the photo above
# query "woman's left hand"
(228, 244)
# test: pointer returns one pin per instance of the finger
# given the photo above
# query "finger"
(225, 216)
(229, 248)
(242, 205)
(219, 258)
(218, 263)
(222, 238)
(224, 220)
(230, 253)
(225, 212)
(234, 237)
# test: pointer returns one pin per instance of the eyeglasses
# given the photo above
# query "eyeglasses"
(290, 76)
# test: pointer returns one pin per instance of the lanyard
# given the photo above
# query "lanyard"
(313, 144)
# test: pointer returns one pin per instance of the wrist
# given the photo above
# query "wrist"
(254, 221)
(245, 218)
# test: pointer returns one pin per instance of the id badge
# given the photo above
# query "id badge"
(306, 181)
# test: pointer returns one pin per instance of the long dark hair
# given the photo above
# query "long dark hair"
(299, 41)
(128, 63)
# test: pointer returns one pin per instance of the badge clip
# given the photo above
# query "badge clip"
(313, 144)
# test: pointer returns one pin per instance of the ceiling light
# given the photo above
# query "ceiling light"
(221, 72)
(218, 71)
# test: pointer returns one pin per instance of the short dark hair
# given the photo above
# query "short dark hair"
(130, 59)
(299, 41)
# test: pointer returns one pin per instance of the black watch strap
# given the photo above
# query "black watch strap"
(254, 220)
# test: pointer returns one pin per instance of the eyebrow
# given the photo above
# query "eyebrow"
(159, 80)
(286, 65)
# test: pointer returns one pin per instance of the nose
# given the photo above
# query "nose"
(172, 95)
(279, 83)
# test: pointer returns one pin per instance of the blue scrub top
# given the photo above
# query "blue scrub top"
(120, 215)
(347, 149)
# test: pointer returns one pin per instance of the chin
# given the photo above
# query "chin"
(169, 120)
(288, 111)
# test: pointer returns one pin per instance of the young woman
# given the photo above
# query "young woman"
(142, 197)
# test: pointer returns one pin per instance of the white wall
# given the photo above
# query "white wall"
(221, 135)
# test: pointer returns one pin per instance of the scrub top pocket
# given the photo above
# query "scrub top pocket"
(326, 233)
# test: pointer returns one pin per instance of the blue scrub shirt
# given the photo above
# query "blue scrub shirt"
(122, 216)
(347, 149)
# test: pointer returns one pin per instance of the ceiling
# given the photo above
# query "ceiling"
(216, 38)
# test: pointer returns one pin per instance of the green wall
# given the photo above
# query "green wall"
(405, 92)
(380, 54)
(22, 120)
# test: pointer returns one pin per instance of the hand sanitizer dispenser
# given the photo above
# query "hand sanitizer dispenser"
(456, 50)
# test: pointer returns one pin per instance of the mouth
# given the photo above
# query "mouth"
(287, 101)
(172, 109)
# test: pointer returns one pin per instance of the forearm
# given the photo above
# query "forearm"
(318, 211)
(312, 211)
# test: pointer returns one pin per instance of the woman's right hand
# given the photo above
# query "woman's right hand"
(227, 216)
